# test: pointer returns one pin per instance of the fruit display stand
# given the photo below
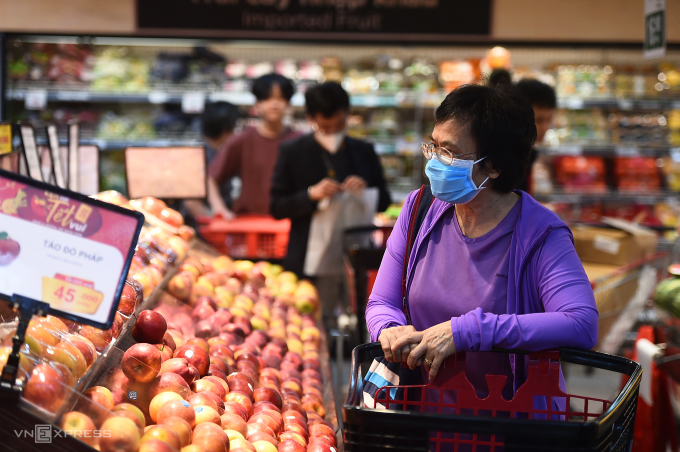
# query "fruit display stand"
(116, 403)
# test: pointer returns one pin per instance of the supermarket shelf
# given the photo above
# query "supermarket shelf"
(606, 150)
(612, 195)
(173, 95)
(579, 103)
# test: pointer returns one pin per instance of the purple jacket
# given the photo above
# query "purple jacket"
(569, 321)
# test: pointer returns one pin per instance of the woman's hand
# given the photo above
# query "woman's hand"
(389, 336)
(430, 347)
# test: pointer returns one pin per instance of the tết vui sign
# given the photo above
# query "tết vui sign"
(396, 20)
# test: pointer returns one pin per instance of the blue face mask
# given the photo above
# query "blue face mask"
(453, 183)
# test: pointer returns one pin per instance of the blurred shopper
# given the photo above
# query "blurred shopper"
(316, 169)
(217, 126)
(252, 154)
(542, 98)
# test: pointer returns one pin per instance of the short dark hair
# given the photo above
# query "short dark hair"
(327, 98)
(262, 86)
(537, 93)
(218, 118)
(502, 126)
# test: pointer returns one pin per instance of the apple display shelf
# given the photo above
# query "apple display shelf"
(25, 427)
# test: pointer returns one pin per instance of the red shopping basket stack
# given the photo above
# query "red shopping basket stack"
(248, 236)
(447, 415)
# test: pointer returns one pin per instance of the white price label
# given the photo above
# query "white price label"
(570, 149)
(625, 104)
(158, 97)
(627, 151)
(193, 102)
(36, 99)
(573, 103)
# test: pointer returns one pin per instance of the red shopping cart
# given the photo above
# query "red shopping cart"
(447, 414)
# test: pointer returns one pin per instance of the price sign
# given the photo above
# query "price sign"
(65, 249)
(36, 99)
(71, 294)
(655, 29)
(193, 102)
(5, 138)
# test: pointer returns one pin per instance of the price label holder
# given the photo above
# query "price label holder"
(61, 253)
(73, 148)
(58, 163)
(166, 173)
(30, 152)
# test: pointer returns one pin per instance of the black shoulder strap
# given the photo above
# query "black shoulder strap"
(421, 206)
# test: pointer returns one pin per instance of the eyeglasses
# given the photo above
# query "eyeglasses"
(443, 155)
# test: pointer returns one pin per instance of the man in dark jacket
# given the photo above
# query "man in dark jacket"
(313, 168)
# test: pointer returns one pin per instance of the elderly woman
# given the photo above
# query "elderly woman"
(490, 266)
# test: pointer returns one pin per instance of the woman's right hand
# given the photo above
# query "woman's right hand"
(389, 336)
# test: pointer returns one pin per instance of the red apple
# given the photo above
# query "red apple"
(210, 429)
(206, 413)
(236, 409)
(320, 447)
(181, 367)
(211, 443)
(169, 341)
(240, 398)
(166, 352)
(218, 377)
(261, 436)
(150, 327)
(99, 338)
(181, 428)
(79, 426)
(162, 433)
(141, 362)
(176, 408)
(285, 436)
(235, 422)
(201, 399)
(322, 429)
(45, 388)
(297, 407)
(208, 385)
(263, 405)
(219, 403)
(169, 382)
(290, 445)
(197, 356)
(119, 434)
(267, 420)
(268, 395)
(128, 300)
(155, 445)
(180, 286)
(259, 427)
(85, 347)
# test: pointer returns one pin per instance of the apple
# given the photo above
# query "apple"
(150, 327)
(181, 367)
(166, 352)
(209, 428)
(169, 341)
(214, 398)
(158, 401)
(320, 447)
(224, 298)
(290, 426)
(202, 311)
(219, 378)
(206, 413)
(240, 398)
(287, 415)
(219, 362)
(177, 337)
(208, 385)
(193, 448)
(128, 300)
(155, 445)
(180, 285)
(100, 395)
(268, 395)
(181, 428)
(202, 399)
(130, 408)
(142, 363)
(162, 433)
(267, 420)
(83, 345)
(322, 429)
(205, 329)
(290, 445)
(45, 388)
(176, 408)
(241, 443)
(241, 386)
(196, 356)
(234, 422)
(236, 409)
(285, 436)
(233, 434)
(264, 405)
(99, 338)
(119, 434)
(79, 426)
(265, 446)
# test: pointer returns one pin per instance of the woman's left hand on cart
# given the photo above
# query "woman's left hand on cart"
(430, 347)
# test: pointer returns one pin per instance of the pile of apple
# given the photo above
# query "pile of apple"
(225, 362)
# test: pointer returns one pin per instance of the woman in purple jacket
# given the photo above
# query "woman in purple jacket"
(490, 266)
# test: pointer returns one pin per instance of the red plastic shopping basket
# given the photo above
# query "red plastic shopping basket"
(447, 414)
(248, 236)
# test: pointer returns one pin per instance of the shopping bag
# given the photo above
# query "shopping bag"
(324, 245)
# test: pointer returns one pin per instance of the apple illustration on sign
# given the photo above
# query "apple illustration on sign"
(9, 249)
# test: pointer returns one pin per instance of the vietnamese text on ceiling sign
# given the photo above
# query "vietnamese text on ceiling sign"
(402, 19)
